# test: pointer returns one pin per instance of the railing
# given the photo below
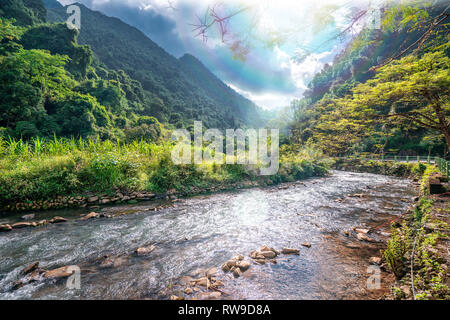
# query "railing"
(442, 164)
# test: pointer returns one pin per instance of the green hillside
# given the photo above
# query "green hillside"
(109, 80)
(174, 96)
(354, 106)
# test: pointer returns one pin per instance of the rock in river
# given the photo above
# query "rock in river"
(5, 227)
(290, 251)
(243, 265)
(237, 272)
(268, 254)
(306, 244)
(58, 220)
(20, 225)
(90, 216)
(227, 266)
(364, 237)
(62, 272)
(30, 268)
(145, 250)
(375, 260)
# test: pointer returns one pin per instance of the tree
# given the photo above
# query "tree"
(28, 79)
(415, 89)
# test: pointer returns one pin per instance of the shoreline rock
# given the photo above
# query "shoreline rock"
(145, 250)
(290, 251)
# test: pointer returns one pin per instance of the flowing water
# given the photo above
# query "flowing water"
(204, 232)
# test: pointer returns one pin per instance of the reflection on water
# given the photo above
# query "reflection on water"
(205, 231)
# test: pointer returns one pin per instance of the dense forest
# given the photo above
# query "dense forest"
(387, 92)
(109, 80)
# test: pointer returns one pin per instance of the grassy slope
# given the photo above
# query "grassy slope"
(44, 170)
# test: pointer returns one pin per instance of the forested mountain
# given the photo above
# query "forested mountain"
(174, 96)
(240, 107)
(110, 80)
(379, 97)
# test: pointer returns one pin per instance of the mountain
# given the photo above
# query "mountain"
(241, 108)
(180, 90)
(25, 12)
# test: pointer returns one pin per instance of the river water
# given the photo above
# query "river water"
(205, 231)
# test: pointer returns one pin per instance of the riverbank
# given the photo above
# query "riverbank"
(196, 234)
(389, 168)
(64, 173)
(416, 252)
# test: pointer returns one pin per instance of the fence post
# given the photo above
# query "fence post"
(428, 159)
(418, 159)
(407, 159)
(446, 168)
(395, 158)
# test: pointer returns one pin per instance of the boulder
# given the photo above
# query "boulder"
(290, 251)
(20, 225)
(145, 250)
(268, 254)
(218, 283)
(90, 216)
(237, 272)
(5, 227)
(58, 273)
(306, 244)
(364, 237)
(260, 261)
(239, 257)
(211, 272)
(243, 265)
(58, 220)
(361, 230)
(204, 282)
(375, 260)
(113, 262)
(406, 290)
(266, 248)
(93, 199)
(256, 255)
(30, 268)
(227, 266)
(175, 298)
(188, 291)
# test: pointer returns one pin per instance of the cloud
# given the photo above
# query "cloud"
(271, 31)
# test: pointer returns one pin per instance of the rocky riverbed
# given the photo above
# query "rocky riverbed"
(312, 239)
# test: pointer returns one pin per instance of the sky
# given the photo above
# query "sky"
(269, 50)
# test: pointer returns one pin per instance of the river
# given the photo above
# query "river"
(205, 231)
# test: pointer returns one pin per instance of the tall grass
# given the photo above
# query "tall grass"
(44, 168)
(44, 147)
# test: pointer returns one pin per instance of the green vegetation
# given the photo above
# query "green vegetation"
(391, 168)
(124, 88)
(419, 232)
(95, 117)
(175, 91)
(42, 169)
(377, 96)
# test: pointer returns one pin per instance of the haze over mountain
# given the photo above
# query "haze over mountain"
(184, 89)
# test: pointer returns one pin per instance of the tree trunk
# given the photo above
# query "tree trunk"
(443, 126)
